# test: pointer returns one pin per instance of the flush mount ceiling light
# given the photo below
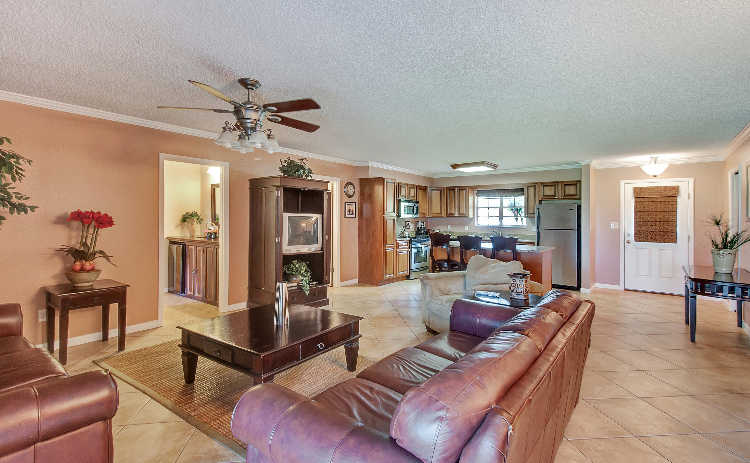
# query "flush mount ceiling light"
(474, 166)
(214, 170)
(250, 117)
(654, 168)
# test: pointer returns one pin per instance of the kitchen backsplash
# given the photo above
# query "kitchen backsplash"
(401, 232)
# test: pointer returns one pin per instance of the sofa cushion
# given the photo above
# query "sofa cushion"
(434, 421)
(369, 403)
(451, 345)
(26, 367)
(562, 302)
(405, 369)
(539, 324)
(12, 344)
(483, 271)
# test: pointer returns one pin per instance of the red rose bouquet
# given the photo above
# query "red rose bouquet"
(85, 253)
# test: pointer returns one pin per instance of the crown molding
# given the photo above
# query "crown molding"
(738, 140)
(614, 165)
(396, 168)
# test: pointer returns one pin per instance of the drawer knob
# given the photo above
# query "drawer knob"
(96, 300)
(217, 353)
(321, 346)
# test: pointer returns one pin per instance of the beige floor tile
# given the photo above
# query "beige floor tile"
(732, 358)
(602, 361)
(697, 414)
(639, 417)
(641, 384)
(606, 343)
(642, 360)
(736, 378)
(679, 341)
(618, 450)
(610, 329)
(151, 443)
(596, 386)
(737, 442)
(643, 328)
(124, 387)
(687, 359)
(202, 449)
(690, 382)
(734, 404)
(643, 341)
(568, 453)
(588, 422)
(153, 412)
(130, 404)
(692, 448)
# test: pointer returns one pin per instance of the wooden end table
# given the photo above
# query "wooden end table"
(701, 280)
(67, 297)
(249, 342)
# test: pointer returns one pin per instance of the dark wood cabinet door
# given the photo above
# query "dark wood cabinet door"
(389, 205)
(550, 190)
(327, 270)
(389, 262)
(412, 192)
(423, 199)
(451, 208)
(436, 202)
(462, 201)
(200, 273)
(212, 275)
(402, 262)
(389, 232)
(531, 198)
(190, 270)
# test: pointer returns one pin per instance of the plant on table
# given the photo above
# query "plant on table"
(726, 238)
(191, 218)
(85, 253)
(11, 169)
(292, 168)
(299, 268)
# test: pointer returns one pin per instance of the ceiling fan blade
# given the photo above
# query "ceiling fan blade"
(197, 109)
(295, 124)
(214, 92)
(294, 105)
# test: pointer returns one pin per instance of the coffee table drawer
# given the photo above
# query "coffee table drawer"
(217, 350)
(90, 299)
(325, 340)
(316, 294)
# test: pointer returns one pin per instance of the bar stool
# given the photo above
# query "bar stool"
(504, 244)
(470, 247)
(441, 242)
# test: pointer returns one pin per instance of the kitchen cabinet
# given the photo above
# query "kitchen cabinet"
(403, 262)
(459, 201)
(391, 202)
(211, 288)
(451, 208)
(389, 263)
(412, 192)
(531, 198)
(407, 191)
(436, 202)
(201, 269)
(570, 189)
(422, 199)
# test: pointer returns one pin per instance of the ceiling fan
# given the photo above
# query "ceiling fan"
(251, 115)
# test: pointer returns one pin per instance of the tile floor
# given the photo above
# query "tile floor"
(648, 394)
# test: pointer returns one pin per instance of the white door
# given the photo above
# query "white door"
(657, 267)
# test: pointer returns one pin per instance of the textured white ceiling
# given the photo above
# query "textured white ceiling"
(416, 84)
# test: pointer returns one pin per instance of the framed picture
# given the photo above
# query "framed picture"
(350, 210)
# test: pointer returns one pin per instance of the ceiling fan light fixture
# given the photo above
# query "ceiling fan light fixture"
(226, 138)
(654, 167)
(243, 145)
(474, 166)
(270, 144)
(256, 139)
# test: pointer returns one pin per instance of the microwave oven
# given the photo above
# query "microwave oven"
(408, 208)
(302, 232)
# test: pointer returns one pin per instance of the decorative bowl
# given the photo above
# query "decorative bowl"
(81, 279)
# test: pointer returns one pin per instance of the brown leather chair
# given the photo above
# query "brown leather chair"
(504, 244)
(441, 243)
(470, 247)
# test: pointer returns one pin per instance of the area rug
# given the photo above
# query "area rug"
(208, 403)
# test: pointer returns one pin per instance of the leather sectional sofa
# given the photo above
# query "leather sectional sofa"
(46, 415)
(499, 386)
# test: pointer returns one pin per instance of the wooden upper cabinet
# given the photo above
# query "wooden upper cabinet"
(570, 190)
(464, 202)
(424, 201)
(550, 190)
(389, 232)
(451, 206)
(389, 203)
(403, 191)
(411, 192)
(436, 200)
(531, 198)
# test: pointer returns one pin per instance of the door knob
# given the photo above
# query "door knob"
(627, 241)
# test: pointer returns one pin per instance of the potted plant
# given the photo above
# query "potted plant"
(11, 172)
(191, 218)
(299, 272)
(726, 243)
(292, 168)
(84, 271)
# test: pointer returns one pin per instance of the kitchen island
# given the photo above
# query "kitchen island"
(535, 259)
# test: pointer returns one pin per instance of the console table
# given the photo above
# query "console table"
(67, 297)
(701, 280)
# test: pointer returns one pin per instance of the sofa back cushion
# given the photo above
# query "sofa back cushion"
(435, 420)
(539, 324)
(483, 271)
(561, 301)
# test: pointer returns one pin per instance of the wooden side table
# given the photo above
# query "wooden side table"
(67, 297)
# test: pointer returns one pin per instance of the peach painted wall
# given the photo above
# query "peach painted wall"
(708, 180)
(88, 163)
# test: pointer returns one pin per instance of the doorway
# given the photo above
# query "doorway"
(735, 204)
(656, 266)
(220, 208)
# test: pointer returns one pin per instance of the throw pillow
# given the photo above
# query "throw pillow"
(483, 271)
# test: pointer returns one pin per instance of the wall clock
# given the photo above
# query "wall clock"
(349, 189)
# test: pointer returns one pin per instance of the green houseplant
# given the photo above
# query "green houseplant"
(298, 269)
(191, 218)
(292, 168)
(725, 242)
(11, 169)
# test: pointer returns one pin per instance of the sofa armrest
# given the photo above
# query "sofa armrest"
(439, 284)
(479, 318)
(11, 320)
(35, 413)
(286, 426)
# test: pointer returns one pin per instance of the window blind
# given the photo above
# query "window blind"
(500, 193)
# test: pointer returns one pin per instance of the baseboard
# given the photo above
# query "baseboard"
(606, 286)
(86, 338)
(237, 306)
(349, 282)
(586, 290)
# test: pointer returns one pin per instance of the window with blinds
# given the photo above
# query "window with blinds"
(501, 208)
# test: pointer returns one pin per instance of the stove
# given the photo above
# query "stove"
(420, 255)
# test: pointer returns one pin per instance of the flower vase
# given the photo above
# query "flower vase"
(724, 260)
(82, 279)
(191, 230)
(519, 285)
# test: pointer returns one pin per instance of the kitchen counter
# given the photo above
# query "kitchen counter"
(519, 247)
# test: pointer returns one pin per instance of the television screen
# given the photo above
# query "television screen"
(303, 230)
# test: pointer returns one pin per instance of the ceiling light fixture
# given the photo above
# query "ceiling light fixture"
(654, 168)
(214, 170)
(474, 166)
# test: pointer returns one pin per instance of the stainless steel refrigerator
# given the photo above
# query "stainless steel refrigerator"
(559, 225)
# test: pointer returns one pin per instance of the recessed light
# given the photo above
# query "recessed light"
(258, 159)
(474, 166)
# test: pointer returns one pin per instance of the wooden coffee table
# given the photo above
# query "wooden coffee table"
(248, 341)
